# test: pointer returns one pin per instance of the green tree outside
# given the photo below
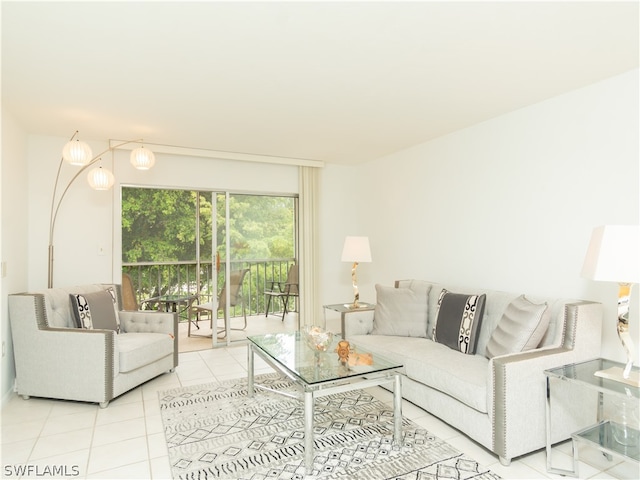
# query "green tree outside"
(159, 225)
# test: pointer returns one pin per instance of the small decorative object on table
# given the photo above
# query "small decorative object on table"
(343, 351)
(318, 339)
(360, 359)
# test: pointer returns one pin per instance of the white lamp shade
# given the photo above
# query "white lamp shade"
(77, 153)
(356, 249)
(613, 254)
(142, 158)
(100, 178)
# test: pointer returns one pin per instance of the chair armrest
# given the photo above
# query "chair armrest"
(149, 322)
(67, 363)
(275, 287)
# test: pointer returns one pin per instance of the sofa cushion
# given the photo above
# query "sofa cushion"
(136, 350)
(463, 377)
(95, 310)
(521, 328)
(400, 311)
(458, 320)
(58, 307)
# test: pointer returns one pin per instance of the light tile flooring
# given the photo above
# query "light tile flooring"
(126, 439)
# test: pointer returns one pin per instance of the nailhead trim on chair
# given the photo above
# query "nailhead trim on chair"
(41, 311)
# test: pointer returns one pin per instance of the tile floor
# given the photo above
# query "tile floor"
(126, 439)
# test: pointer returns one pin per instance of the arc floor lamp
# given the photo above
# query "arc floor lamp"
(78, 153)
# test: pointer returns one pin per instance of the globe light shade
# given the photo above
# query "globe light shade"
(100, 179)
(142, 158)
(77, 153)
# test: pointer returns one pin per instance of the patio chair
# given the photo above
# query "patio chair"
(129, 300)
(236, 298)
(283, 290)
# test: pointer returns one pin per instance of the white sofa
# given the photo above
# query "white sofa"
(55, 358)
(499, 402)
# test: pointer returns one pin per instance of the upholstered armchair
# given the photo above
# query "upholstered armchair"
(77, 343)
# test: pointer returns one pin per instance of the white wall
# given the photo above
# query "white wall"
(13, 235)
(510, 203)
(89, 220)
(338, 216)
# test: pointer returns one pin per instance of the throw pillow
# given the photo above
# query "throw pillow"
(521, 328)
(458, 320)
(95, 310)
(400, 312)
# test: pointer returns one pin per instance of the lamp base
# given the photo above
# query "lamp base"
(351, 306)
(615, 374)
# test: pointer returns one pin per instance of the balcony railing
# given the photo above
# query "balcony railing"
(153, 279)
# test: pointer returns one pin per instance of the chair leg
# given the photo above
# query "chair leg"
(244, 312)
(285, 306)
(266, 313)
(225, 326)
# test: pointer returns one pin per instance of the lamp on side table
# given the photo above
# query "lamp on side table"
(356, 249)
(614, 256)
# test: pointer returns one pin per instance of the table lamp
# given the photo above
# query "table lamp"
(356, 250)
(613, 255)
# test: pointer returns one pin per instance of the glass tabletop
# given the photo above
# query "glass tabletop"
(172, 298)
(585, 374)
(292, 352)
(346, 307)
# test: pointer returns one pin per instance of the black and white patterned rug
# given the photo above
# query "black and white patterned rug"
(216, 431)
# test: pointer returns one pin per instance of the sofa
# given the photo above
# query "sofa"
(77, 343)
(475, 358)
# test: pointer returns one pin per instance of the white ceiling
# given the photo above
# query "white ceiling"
(340, 82)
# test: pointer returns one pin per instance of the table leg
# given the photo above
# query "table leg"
(550, 468)
(397, 409)
(342, 315)
(250, 387)
(308, 431)
(547, 411)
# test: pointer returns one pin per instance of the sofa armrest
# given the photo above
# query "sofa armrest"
(518, 400)
(358, 323)
(517, 390)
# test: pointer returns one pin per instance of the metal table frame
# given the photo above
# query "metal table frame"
(601, 430)
(311, 391)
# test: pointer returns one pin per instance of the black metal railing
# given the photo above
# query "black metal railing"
(204, 280)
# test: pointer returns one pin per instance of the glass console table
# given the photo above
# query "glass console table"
(601, 434)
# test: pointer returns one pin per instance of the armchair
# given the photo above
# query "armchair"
(56, 359)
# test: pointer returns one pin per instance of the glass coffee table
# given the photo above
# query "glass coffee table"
(318, 374)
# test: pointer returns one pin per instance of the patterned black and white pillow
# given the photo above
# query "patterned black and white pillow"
(458, 320)
(95, 310)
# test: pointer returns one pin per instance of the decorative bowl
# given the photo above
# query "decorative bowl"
(318, 339)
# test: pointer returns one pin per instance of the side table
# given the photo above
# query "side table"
(346, 308)
(601, 434)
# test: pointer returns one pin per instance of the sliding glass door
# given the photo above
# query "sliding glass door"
(192, 244)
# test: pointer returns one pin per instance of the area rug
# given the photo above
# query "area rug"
(216, 431)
